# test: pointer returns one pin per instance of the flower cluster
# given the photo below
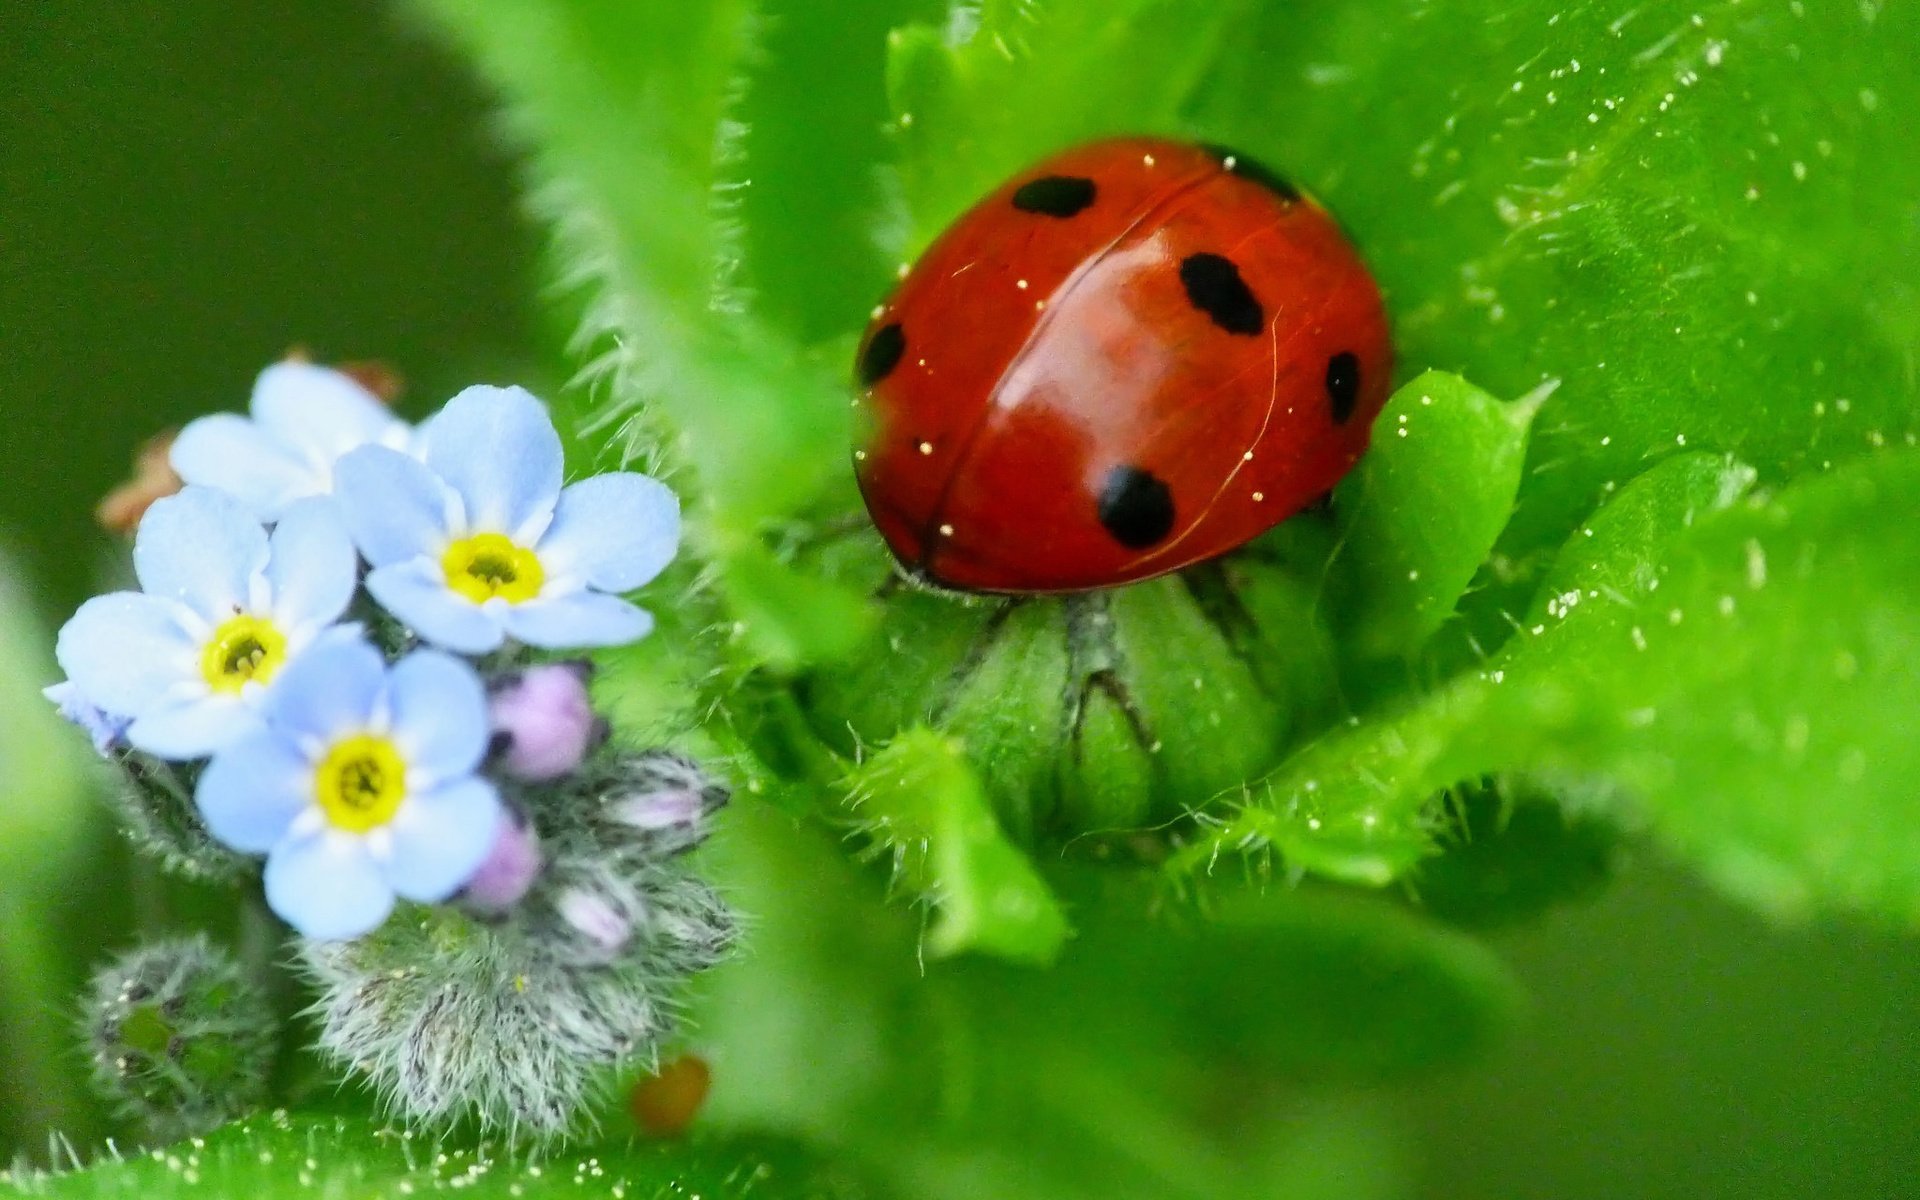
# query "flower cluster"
(332, 647)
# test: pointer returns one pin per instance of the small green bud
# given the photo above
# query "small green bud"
(180, 1037)
(1100, 712)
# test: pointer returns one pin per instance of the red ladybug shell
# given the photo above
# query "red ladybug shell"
(1134, 356)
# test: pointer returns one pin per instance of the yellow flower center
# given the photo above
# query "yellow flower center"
(489, 564)
(243, 648)
(361, 782)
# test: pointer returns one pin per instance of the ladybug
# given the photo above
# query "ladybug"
(1131, 357)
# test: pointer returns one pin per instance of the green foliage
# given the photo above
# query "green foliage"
(1696, 216)
(1103, 1076)
(1419, 514)
(294, 1156)
(1767, 725)
(919, 798)
(1743, 671)
(1661, 209)
(1357, 804)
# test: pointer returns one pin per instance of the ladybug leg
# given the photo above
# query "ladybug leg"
(976, 654)
(1211, 588)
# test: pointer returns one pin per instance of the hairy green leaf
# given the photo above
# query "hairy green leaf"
(1767, 724)
(1357, 804)
(299, 1155)
(922, 805)
(1698, 216)
(1741, 673)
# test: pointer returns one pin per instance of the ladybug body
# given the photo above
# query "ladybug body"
(1134, 356)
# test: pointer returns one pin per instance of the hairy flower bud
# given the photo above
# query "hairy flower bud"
(512, 1020)
(179, 1036)
(657, 801)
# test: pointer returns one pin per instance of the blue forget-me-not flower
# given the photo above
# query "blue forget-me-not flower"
(478, 542)
(223, 610)
(360, 786)
(304, 418)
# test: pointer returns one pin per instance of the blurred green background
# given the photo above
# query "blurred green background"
(185, 192)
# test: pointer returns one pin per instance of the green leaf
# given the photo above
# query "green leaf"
(1357, 804)
(814, 116)
(1305, 985)
(621, 106)
(1101, 1076)
(1697, 216)
(1741, 673)
(1007, 81)
(1419, 514)
(923, 806)
(1767, 725)
(300, 1155)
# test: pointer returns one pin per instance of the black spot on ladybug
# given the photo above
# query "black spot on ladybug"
(1256, 171)
(1214, 286)
(1054, 195)
(1135, 507)
(1343, 384)
(882, 353)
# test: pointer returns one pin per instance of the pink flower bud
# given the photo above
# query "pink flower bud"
(508, 870)
(660, 810)
(595, 920)
(545, 721)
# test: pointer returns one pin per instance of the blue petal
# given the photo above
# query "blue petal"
(105, 729)
(439, 715)
(331, 689)
(233, 454)
(319, 412)
(497, 448)
(327, 886)
(394, 507)
(578, 620)
(312, 567)
(252, 791)
(192, 727)
(126, 652)
(615, 531)
(416, 592)
(441, 837)
(202, 549)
